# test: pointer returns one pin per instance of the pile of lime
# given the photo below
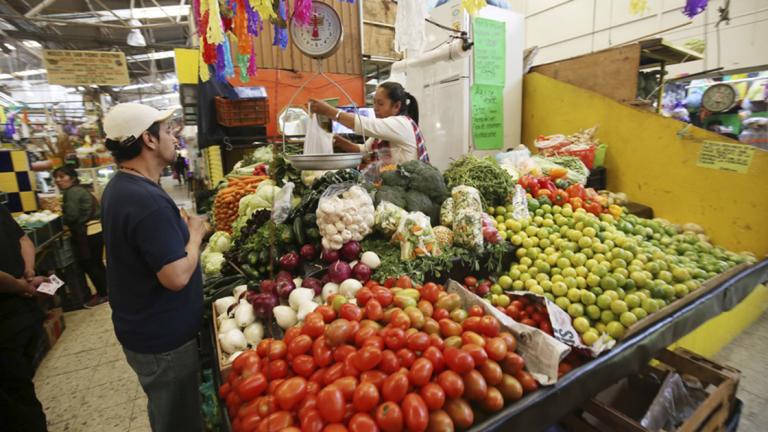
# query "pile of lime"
(607, 273)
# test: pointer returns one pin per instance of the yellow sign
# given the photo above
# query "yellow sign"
(726, 156)
(67, 67)
(186, 65)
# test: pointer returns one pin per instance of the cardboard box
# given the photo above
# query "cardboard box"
(54, 325)
(621, 406)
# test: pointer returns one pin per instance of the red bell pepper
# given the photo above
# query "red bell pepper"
(529, 184)
(545, 183)
(593, 207)
(576, 190)
(545, 192)
(560, 197)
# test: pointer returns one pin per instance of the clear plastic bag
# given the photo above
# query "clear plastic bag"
(446, 213)
(388, 217)
(316, 140)
(467, 218)
(416, 237)
(673, 404)
(281, 205)
(344, 212)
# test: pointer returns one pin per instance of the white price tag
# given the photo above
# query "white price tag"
(51, 287)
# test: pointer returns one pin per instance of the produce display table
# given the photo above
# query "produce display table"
(540, 409)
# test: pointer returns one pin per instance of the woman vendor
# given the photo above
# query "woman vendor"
(395, 134)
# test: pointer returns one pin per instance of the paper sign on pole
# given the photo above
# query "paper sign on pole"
(67, 67)
(489, 51)
(488, 117)
(726, 156)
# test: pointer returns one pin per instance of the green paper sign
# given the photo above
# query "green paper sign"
(488, 117)
(490, 51)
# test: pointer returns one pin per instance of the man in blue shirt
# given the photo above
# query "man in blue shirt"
(153, 273)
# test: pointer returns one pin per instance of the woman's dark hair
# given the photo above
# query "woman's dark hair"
(67, 170)
(130, 148)
(408, 104)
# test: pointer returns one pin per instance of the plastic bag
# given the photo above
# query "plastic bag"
(673, 404)
(490, 233)
(344, 212)
(281, 205)
(316, 140)
(467, 218)
(520, 204)
(446, 213)
(551, 143)
(416, 237)
(387, 218)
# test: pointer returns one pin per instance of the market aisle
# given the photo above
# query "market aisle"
(749, 354)
(177, 192)
(85, 383)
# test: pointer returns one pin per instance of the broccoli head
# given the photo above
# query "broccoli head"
(426, 179)
(392, 194)
(394, 178)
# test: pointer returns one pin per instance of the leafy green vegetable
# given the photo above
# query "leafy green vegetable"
(392, 194)
(485, 175)
(394, 178)
(417, 201)
(426, 179)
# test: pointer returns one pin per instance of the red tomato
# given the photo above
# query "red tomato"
(477, 352)
(326, 312)
(421, 372)
(349, 368)
(291, 392)
(342, 352)
(433, 395)
(440, 313)
(351, 312)
(318, 376)
(418, 341)
(366, 359)
(251, 387)
(314, 326)
(312, 422)
(460, 412)
(470, 281)
(375, 377)
(491, 372)
(273, 385)
(476, 311)
(510, 340)
(330, 403)
(390, 282)
(513, 312)
(347, 386)
(243, 359)
(475, 387)
(512, 363)
(389, 417)
(321, 352)
(276, 421)
(309, 404)
(266, 405)
(248, 422)
(406, 356)
(394, 338)
(400, 320)
(489, 326)
(263, 347)
(426, 308)
(496, 349)
(303, 365)
(361, 422)
(529, 322)
(363, 296)
(470, 337)
(430, 291)
(383, 296)
(449, 328)
(458, 361)
(440, 421)
(375, 342)
(435, 356)
(277, 369)
(224, 390)
(389, 362)
(333, 373)
(373, 310)
(365, 397)
(312, 387)
(451, 383)
(526, 380)
(338, 332)
(300, 344)
(290, 334)
(395, 387)
(233, 401)
(415, 413)
(563, 368)
(493, 401)
(546, 327)
(472, 323)
(404, 282)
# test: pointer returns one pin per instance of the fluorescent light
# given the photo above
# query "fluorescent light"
(10, 47)
(138, 13)
(32, 44)
(372, 81)
(151, 56)
(136, 86)
(30, 72)
(170, 81)
(5, 76)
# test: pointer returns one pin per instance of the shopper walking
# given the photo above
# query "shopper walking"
(81, 215)
(21, 328)
(153, 273)
(180, 168)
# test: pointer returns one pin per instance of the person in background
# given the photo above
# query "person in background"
(395, 134)
(153, 272)
(20, 329)
(81, 214)
(180, 167)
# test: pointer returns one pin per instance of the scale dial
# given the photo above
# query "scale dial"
(719, 98)
(322, 37)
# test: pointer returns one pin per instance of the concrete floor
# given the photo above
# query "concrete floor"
(85, 383)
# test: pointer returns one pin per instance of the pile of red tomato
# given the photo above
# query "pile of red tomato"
(379, 366)
(530, 313)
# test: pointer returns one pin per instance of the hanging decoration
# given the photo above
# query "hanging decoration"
(638, 7)
(222, 23)
(694, 7)
(472, 6)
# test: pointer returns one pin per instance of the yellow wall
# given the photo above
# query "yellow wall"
(648, 161)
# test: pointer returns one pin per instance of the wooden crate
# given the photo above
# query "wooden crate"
(224, 366)
(711, 415)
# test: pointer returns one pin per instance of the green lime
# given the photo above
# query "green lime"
(615, 329)
(505, 282)
(640, 313)
(650, 305)
(581, 324)
(574, 295)
(607, 316)
(559, 289)
(604, 301)
(588, 298)
(576, 310)
(562, 302)
(593, 312)
(590, 337)
(618, 307)
(628, 319)
(632, 301)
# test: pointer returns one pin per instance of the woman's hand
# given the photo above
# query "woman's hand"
(321, 108)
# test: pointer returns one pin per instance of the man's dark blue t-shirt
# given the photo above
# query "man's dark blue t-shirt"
(143, 231)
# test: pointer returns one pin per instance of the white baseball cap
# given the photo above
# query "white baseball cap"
(131, 120)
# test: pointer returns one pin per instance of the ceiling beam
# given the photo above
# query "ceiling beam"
(39, 8)
(90, 24)
(104, 41)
